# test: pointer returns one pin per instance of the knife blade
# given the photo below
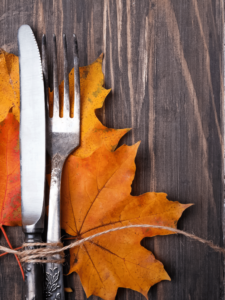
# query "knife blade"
(32, 152)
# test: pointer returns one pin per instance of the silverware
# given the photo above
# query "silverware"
(63, 136)
(32, 153)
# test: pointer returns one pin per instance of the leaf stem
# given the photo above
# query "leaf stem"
(19, 263)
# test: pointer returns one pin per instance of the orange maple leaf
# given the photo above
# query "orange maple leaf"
(95, 198)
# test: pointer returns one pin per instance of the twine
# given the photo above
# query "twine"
(46, 255)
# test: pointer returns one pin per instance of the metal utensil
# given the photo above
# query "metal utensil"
(63, 136)
(32, 153)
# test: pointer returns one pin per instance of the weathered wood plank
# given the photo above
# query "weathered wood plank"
(163, 61)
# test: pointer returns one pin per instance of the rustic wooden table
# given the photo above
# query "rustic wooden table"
(163, 61)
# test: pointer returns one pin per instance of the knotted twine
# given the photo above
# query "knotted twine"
(46, 254)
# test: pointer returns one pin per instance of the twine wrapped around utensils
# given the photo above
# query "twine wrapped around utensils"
(46, 254)
(39, 255)
(35, 255)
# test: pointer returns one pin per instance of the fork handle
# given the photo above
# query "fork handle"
(34, 273)
(54, 272)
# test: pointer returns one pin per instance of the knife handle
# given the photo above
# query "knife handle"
(34, 272)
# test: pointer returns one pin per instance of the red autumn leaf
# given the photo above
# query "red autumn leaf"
(10, 199)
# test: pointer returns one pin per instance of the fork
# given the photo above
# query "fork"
(63, 136)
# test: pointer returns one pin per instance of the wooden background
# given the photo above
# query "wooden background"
(164, 63)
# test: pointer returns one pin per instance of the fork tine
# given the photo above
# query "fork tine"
(45, 72)
(55, 80)
(66, 102)
(76, 79)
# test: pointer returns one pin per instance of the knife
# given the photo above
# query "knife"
(32, 153)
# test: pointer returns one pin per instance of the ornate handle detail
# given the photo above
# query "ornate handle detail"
(52, 283)
(54, 286)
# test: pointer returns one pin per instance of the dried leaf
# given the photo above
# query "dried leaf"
(68, 290)
(9, 85)
(10, 198)
(96, 197)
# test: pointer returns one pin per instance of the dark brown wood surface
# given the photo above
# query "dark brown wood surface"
(164, 63)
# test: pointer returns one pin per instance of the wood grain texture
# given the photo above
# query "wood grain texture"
(164, 63)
